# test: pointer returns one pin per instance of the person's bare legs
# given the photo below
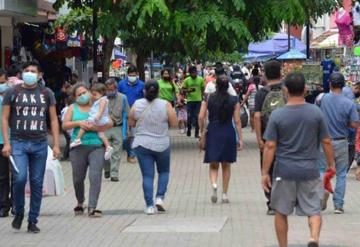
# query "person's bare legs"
(77, 140)
(80, 134)
(104, 139)
(281, 227)
(315, 223)
(226, 173)
(213, 174)
(252, 123)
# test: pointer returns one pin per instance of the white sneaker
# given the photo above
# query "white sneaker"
(75, 143)
(149, 210)
(182, 131)
(108, 153)
(159, 204)
(214, 197)
(224, 199)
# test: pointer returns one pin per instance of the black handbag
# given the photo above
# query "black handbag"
(244, 117)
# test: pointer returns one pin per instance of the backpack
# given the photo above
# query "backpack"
(273, 100)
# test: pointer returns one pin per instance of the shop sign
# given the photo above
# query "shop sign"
(22, 7)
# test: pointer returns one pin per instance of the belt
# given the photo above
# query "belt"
(339, 139)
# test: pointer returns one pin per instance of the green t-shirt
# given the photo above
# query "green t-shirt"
(167, 90)
(90, 137)
(198, 84)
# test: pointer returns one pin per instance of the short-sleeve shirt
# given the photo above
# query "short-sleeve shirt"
(133, 92)
(167, 90)
(260, 98)
(198, 84)
(298, 131)
(339, 112)
(28, 111)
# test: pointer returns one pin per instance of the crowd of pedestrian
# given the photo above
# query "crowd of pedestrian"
(301, 145)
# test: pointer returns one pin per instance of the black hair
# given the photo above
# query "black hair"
(222, 99)
(32, 63)
(273, 70)
(13, 70)
(192, 69)
(151, 90)
(163, 71)
(2, 72)
(74, 75)
(218, 65)
(132, 69)
(256, 82)
(76, 87)
(98, 87)
(220, 71)
(295, 84)
(337, 80)
(236, 68)
(255, 72)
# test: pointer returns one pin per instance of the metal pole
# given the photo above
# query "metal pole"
(308, 39)
(95, 42)
(152, 64)
(289, 37)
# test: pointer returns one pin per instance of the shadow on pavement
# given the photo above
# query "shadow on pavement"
(122, 212)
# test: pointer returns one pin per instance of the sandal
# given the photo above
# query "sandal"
(79, 210)
(94, 213)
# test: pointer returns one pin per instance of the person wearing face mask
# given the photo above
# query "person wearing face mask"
(118, 111)
(5, 202)
(87, 156)
(168, 90)
(25, 110)
(133, 88)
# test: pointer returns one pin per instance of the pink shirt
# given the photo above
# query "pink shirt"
(343, 23)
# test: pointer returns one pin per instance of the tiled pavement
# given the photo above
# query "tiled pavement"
(188, 197)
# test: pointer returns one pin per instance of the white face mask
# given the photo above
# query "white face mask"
(132, 79)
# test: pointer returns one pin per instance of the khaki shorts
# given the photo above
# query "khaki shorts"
(304, 196)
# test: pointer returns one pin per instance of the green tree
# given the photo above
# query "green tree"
(182, 28)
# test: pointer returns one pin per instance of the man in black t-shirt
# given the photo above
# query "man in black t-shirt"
(25, 110)
(273, 76)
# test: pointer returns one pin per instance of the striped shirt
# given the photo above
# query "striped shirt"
(152, 127)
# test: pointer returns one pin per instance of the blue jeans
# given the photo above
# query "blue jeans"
(28, 156)
(147, 159)
(341, 153)
(193, 109)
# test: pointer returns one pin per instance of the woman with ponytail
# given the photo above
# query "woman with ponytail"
(221, 145)
(151, 117)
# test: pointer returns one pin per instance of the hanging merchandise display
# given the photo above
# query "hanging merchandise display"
(351, 69)
(356, 21)
(343, 21)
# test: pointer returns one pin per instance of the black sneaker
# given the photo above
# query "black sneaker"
(188, 133)
(107, 174)
(114, 179)
(32, 228)
(4, 213)
(339, 211)
(270, 212)
(313, 244)
(17, 222)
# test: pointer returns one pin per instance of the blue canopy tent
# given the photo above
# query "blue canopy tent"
(274, 47)
(292, 55)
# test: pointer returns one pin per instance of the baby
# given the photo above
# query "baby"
(182, 113)
(98, 116)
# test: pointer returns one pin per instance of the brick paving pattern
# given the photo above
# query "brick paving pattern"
(188, 197)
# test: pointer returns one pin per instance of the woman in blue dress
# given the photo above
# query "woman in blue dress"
(221, 144)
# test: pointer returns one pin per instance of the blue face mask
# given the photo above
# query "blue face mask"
(83, 99)
(3, 87)
(30, 78)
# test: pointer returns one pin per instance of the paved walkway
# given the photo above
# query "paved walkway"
(188, 198)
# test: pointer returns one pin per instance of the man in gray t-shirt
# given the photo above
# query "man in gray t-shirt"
(294, 134)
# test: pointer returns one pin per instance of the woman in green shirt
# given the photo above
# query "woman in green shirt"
(167, 88)
(89, 155)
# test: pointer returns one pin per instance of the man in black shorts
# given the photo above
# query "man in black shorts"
(294, 134)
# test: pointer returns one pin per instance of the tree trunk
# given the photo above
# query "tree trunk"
(107, 53)
(140, 63)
